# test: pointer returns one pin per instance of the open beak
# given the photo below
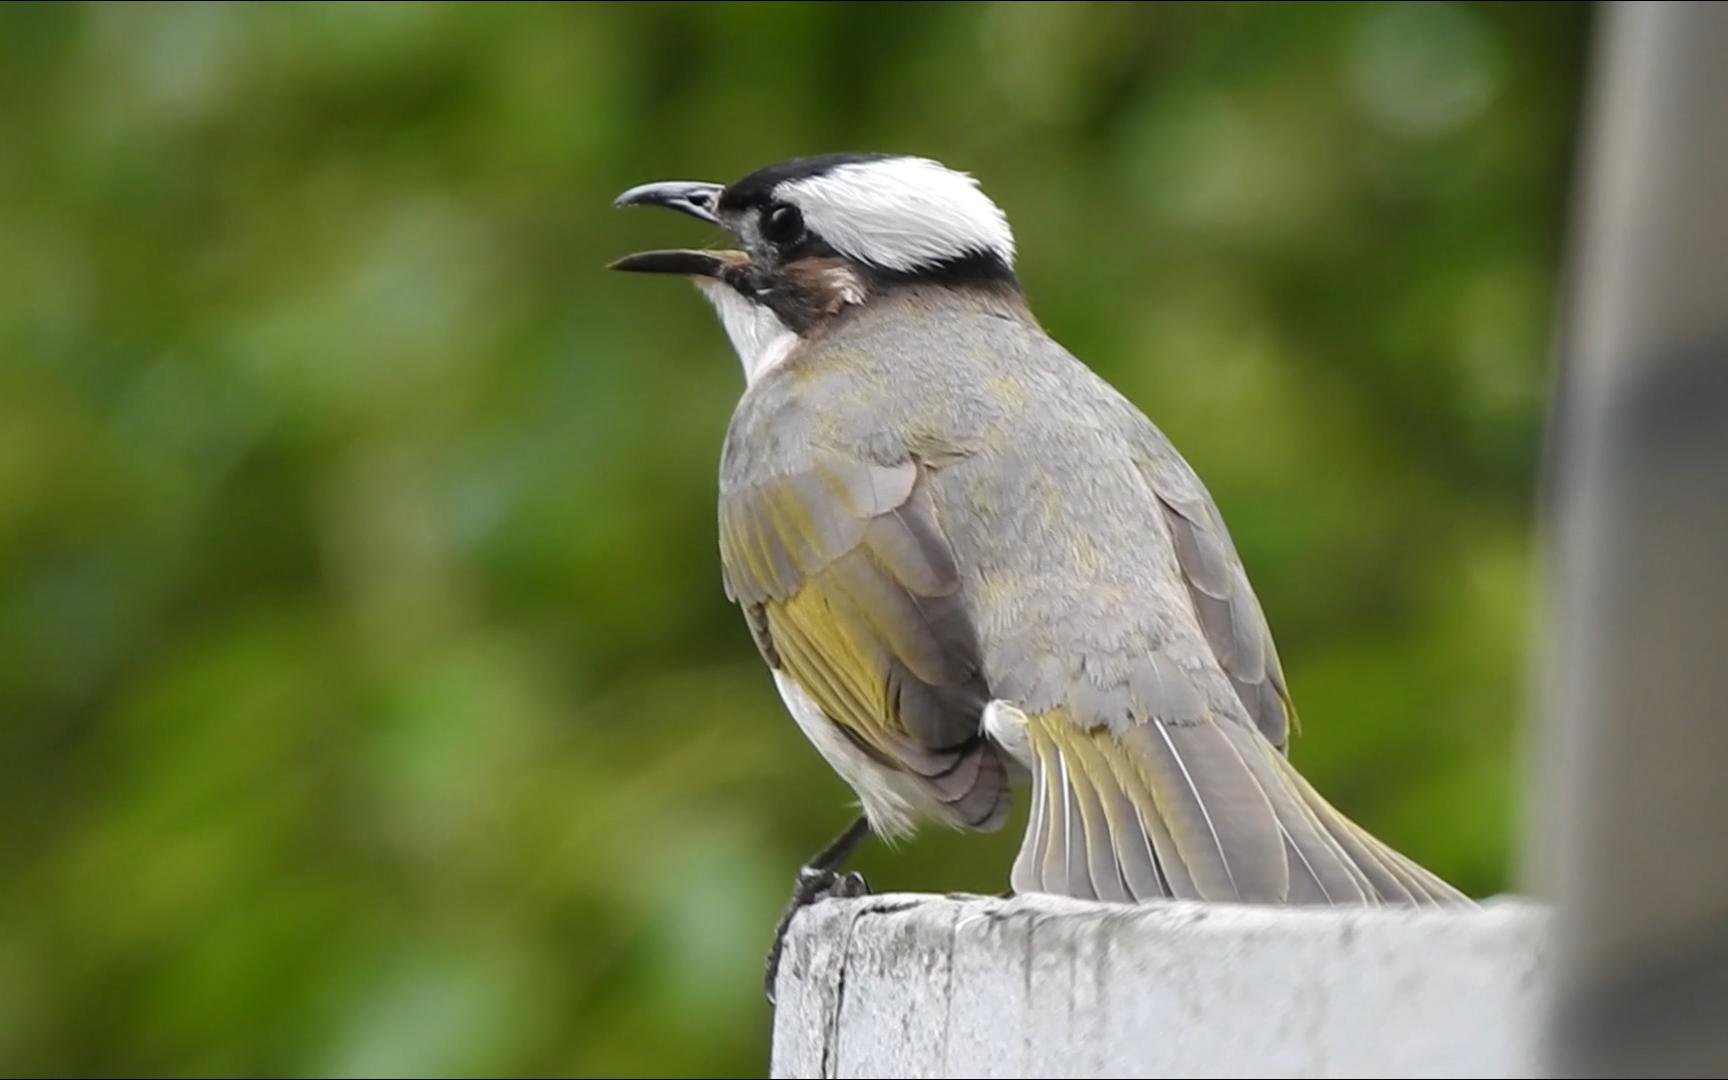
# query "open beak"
(688, 263)
(691, 197)
(694, 198)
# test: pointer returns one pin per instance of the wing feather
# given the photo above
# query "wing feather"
(1224, 603)
(852, 591)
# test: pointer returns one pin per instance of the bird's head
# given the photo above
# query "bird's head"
(820, 235)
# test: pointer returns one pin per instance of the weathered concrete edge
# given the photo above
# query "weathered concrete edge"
(912, 984)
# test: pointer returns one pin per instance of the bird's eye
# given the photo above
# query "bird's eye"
(783, 224)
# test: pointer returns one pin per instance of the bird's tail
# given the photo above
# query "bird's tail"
(1204, 809)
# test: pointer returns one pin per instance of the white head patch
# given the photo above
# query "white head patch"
(901, 213)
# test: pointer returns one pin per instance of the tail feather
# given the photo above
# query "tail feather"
(1027, 876)
(1223, 826)
(1102, 865)
(1203, 811)
(1306, 885)
(1055, 873)
(1136, 856)
(1317, 862)
(1143, 836)
(1382, 880)
(1413, 883)
(1110, 823)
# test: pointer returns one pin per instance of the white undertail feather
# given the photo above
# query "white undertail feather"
(901, 213)
(758, 336)
(1006, 724)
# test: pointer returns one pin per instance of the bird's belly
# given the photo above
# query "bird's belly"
(893, 801)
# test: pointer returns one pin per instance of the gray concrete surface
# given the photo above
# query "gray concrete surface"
(915, 986)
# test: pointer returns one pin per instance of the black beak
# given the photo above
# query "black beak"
(689, 263)
(685, 196)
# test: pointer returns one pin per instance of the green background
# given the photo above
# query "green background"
(370, 702)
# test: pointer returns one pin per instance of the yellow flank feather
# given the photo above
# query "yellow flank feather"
(830, 664)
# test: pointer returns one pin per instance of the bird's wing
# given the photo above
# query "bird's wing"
(1224, 601)
(851, 590)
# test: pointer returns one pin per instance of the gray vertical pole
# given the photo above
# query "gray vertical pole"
(1633, 834)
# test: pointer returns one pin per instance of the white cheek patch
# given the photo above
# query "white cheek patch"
(901, 213)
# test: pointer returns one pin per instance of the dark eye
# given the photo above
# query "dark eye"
(783, 224)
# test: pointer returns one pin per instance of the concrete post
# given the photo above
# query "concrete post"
(921, 986)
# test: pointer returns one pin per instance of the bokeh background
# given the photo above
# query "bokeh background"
(370, 702)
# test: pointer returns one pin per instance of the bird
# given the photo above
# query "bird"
(972, 566)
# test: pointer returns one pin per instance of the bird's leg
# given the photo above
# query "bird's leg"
(818, 879)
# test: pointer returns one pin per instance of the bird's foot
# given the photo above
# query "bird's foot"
(814, 883)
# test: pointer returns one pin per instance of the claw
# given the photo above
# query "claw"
(817, 880)
(813, 885)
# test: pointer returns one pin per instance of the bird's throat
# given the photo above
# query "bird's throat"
(758, 336)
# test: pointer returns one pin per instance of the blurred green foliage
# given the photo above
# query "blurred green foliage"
(371, 703)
